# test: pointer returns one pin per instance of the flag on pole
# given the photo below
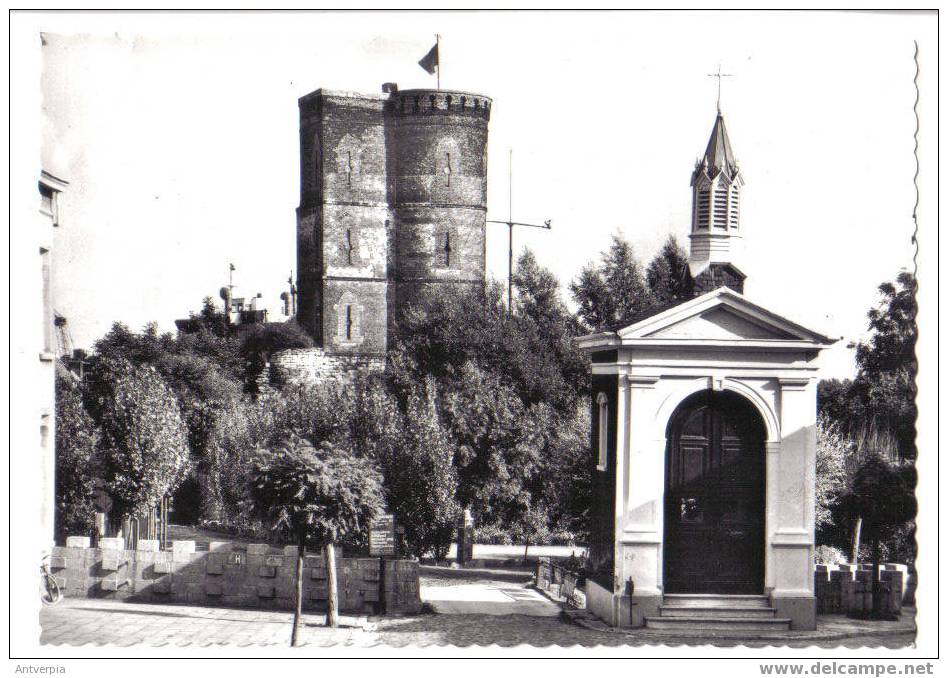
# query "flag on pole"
(232, 267)
(430, 61)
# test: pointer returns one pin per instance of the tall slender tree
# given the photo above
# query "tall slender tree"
(669, 281)
(77, 459)
(612, 292)
(144, 438)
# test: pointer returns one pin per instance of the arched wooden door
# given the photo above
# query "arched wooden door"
(714, 497)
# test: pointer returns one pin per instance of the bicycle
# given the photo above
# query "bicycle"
(50, 593)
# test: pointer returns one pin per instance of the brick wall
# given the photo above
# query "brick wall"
(229, 575)
(393, 194)
(366, 302)
(718, 275)
(314, 365)
(440, 191)
(344, 218)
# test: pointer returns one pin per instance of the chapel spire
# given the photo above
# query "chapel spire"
(716, 185)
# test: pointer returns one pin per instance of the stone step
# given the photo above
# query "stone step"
(714, 600)
(720, 624)
(708, 612)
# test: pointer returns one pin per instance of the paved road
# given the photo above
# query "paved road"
(494, 599)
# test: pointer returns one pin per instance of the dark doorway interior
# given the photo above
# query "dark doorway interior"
(714, 497)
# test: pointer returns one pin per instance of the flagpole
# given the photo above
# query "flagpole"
(438, 65)
(510, 241)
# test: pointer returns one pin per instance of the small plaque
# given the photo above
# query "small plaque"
(382, 536)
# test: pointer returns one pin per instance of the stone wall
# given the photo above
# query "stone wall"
(230, 575)
(847, 590)
(314, 365)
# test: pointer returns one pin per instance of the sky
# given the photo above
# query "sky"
(179, 136)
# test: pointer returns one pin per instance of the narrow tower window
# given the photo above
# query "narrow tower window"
(349, 169)
(349, 246)
(348, 322)
(448, 168)
(447, 248)
(603, 401)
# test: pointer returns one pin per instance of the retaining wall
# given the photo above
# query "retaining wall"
(314, 366)
(230, 575)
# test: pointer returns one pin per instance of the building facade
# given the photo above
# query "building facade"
(704, 437)
(393, 198)
(46, 345)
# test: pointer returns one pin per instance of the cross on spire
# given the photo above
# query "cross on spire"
(720, 75)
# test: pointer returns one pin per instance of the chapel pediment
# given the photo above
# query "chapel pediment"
(720, 315)
(720, 323)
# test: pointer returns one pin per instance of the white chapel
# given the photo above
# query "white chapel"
(704, 439)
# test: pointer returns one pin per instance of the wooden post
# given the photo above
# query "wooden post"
(382, 601)
(298, 610)
(856, 534)
(332, 601)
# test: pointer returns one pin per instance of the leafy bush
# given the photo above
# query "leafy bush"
(492, 534)
(828, 555)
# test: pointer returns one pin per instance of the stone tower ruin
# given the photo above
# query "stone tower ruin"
(393, 200)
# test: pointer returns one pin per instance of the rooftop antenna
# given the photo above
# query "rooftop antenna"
(720, 75)
(510, 225)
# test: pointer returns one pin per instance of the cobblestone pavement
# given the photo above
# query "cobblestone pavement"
(80, 622)
(99, 622)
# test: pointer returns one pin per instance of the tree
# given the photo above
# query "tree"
(833, 453)
(316, 496)
(472, 326)
(420, 479)
(669, 281)
(415, 456)
(613, 292)
(144, 439)
(837, 401)
(77, 442)
(887, 365)
(883, 496)
(538, 291)
(549, 330)
(563, 482)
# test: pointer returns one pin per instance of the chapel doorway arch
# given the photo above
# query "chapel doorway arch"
(715, 496)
